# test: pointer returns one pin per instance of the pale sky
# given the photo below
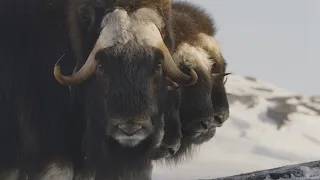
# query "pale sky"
(275, 40)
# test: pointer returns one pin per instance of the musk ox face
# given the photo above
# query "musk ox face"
(204, 106)
(172, 128)
(196, 110)
(219, 98)
(128, 63)
(134, 87)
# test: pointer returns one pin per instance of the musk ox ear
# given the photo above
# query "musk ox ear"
(86, 16)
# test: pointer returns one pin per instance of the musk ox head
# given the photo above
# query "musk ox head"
(204, 105)
(127, 65)
(170, 143)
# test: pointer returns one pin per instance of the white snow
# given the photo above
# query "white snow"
(249, 140)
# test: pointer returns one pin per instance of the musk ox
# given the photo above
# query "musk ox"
(123, 82)
(119, 60)
(37, 126)
(204, 105)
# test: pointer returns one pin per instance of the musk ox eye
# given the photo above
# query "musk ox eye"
(158, 67)
(158, 59)
(100, 68)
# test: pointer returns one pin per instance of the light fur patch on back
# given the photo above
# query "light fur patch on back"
(57, 172)
(142, 27)
(211, 45)
(148, 15)
(193, 57)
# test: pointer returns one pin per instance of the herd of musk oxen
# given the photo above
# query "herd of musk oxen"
(101, 89)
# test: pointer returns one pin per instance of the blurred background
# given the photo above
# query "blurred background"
(277, 41)
(272, 48)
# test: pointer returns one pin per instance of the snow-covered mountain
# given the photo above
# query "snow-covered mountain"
(268, 127)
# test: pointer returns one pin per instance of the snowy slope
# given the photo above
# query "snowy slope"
(268, 127)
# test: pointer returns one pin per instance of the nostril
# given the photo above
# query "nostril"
(205, 124)
(171, 151)
(218, 119)
(221, 117)
(129, 129)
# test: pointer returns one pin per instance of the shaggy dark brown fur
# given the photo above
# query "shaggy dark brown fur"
(37, 125)
(188, 21)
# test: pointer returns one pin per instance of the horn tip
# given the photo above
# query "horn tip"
(193, 77)
(56, 71)
(59, 60)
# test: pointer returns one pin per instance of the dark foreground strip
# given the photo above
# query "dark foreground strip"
(302, 171)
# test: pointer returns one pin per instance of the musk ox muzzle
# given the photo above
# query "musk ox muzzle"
(130, 133)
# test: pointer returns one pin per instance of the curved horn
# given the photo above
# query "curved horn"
(173, 72)
(83, 74)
